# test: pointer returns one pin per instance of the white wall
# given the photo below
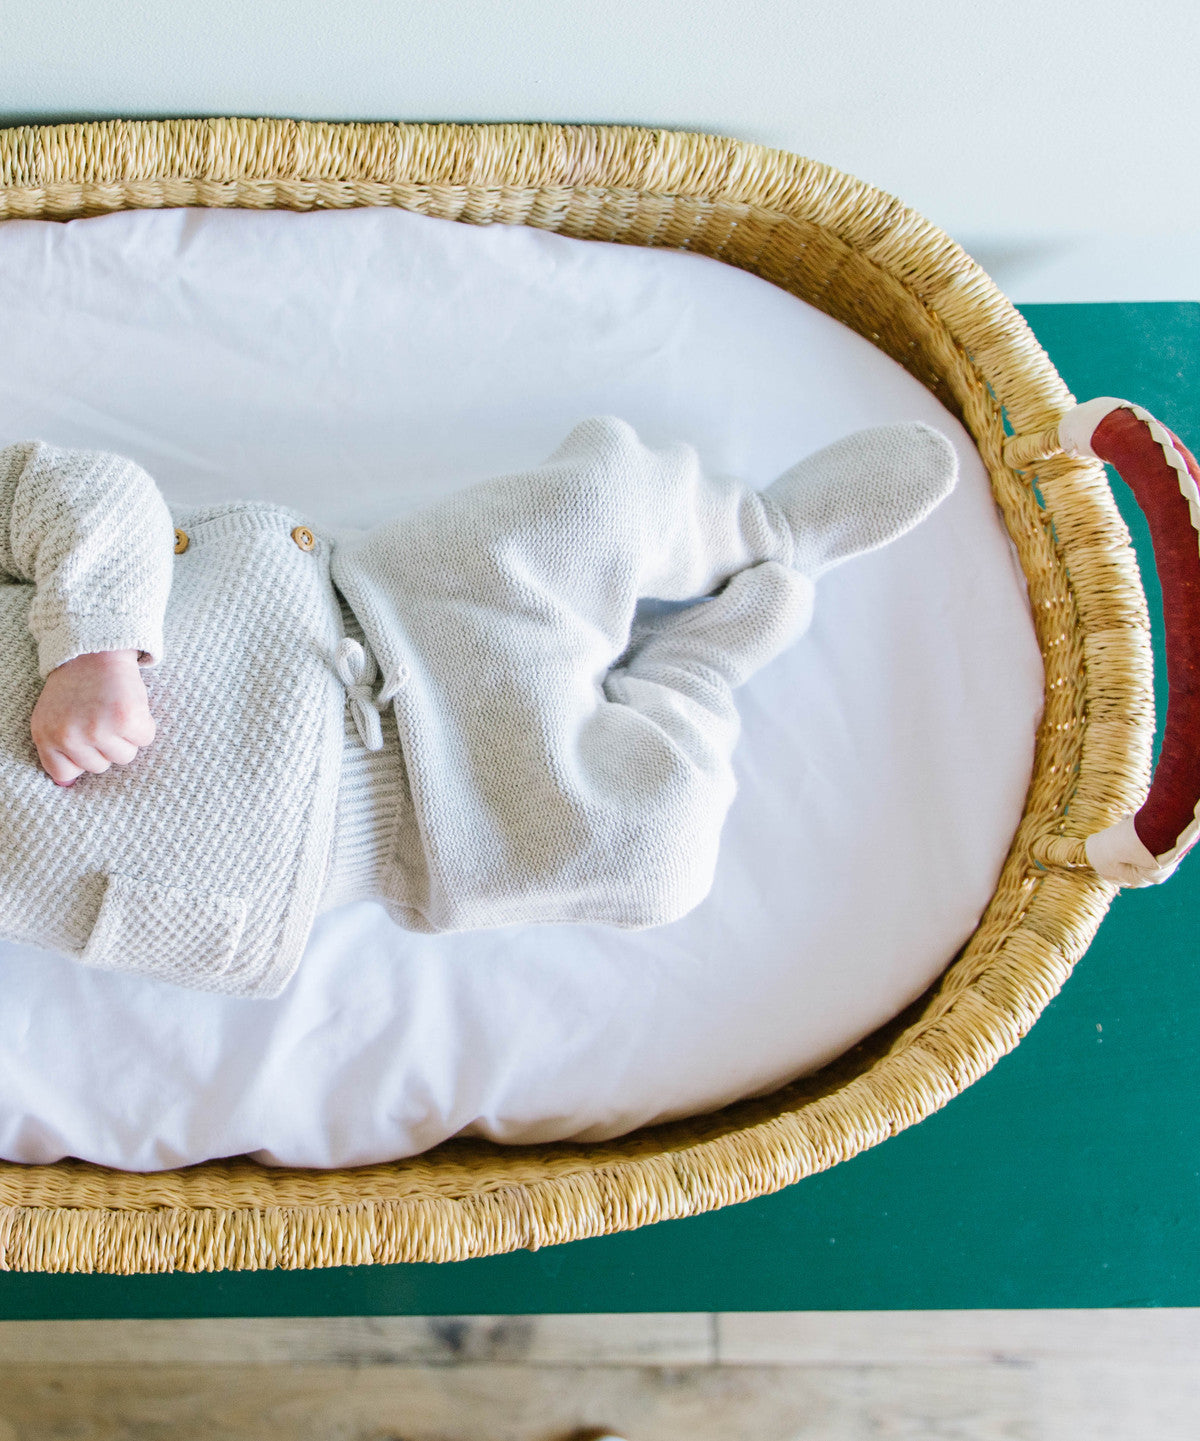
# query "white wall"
(1038, 132)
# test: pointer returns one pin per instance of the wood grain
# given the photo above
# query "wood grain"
(669, 1339)
(489, 1402)
(841, 1376)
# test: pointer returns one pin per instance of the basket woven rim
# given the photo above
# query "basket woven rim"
(871, 261)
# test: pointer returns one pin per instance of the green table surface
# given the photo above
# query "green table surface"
(1068, 1176)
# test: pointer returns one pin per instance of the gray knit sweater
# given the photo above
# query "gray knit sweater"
(556, 757)
(200, 862)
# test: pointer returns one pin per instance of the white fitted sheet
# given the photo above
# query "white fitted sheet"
(355, 364)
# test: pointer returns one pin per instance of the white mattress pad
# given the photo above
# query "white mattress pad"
(357, 364)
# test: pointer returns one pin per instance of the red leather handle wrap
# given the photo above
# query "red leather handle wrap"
(1127, 442)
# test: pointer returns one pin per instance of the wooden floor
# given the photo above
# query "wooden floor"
(842, 1376)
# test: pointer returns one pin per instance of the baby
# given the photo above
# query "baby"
(462, 713)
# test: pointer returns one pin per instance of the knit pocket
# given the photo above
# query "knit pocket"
(186, 937)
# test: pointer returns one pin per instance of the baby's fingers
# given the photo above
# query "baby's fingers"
(88, 758)
(66, 766)
(60, 768)
(118, 750)
(140, 727)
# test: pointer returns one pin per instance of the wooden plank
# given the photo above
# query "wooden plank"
(489, 1402)
(814, 1338)
(1170, 1336)
(667, 1339)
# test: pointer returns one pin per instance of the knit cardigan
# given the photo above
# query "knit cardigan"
(201, 861)
(562, 760)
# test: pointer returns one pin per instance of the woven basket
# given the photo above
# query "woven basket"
(876, 266)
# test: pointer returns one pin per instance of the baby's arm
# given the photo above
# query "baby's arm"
(91, 531)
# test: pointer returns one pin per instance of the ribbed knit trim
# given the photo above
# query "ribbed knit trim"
(77, 635)
(368, 805)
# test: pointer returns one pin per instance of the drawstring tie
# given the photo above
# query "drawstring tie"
(356, 669)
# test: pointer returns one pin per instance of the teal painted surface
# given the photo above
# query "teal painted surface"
(1068, 1176)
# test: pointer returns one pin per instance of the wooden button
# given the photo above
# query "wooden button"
(181, 542)
(304, 537)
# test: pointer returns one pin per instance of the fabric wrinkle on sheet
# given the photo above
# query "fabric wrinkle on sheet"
(371, 789)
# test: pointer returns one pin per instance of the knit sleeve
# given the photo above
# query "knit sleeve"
(91, 531)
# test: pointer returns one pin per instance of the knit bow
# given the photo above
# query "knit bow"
(356, 669)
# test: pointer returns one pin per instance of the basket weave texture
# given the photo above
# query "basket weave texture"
(873, 264)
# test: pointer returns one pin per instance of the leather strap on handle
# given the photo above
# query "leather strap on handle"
(1144, 849)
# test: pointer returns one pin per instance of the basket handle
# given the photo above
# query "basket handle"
(1144, 849)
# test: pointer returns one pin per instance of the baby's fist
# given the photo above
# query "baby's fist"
(93, 713)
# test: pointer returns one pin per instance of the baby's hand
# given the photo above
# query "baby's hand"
(93, 713)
